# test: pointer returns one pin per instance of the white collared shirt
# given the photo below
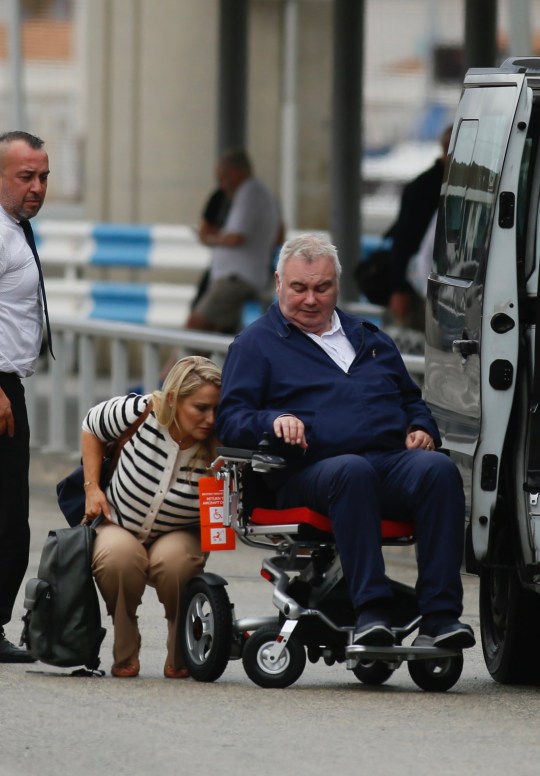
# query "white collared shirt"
(21, 311)
(334, 342)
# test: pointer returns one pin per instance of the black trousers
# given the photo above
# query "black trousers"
(14, 499)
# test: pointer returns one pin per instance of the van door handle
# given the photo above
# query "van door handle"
(465, 347)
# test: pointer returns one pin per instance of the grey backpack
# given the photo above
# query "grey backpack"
(63, 618)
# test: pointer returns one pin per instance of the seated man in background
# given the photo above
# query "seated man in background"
(334, 388)
(242, 248)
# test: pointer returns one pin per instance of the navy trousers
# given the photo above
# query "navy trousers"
(356, 491)
(14, 499)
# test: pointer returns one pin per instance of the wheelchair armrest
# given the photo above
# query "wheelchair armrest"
(235, 452)
(260, 461)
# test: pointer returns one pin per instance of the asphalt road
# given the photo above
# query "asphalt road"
(51, 723)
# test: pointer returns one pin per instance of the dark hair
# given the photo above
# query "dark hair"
(237, 158)
(17, 134)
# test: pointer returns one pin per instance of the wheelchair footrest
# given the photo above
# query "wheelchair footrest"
(398, 653)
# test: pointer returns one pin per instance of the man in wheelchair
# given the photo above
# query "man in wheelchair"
(335, 397)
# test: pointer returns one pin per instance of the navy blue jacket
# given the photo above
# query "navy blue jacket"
(273, 368)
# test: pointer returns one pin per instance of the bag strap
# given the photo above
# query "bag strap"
(97, 521)
(126, 435)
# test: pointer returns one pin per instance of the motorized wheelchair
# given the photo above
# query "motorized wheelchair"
(315, 617)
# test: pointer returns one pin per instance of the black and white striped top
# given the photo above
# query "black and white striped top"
(154, 488)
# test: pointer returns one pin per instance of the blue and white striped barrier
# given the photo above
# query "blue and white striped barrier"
(151, 304)
(82, 243)
(78, 249)
(74, 246)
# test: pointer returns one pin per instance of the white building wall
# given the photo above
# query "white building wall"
(130, 122)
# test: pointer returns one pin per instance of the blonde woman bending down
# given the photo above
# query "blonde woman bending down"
(151, 506)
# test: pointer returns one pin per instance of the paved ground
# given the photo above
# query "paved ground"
(51, 723)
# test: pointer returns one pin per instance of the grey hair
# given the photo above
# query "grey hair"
(309, 247)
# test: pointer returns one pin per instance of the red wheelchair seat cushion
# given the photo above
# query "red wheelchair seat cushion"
(390, 529)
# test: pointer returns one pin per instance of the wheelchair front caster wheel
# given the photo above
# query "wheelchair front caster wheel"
(436, 675)
(205, 630)
(372, 671)
(264, 671)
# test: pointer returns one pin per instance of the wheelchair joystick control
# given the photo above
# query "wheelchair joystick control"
(264, 444)
(262, 460)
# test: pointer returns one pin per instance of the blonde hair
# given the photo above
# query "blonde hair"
(185, 378)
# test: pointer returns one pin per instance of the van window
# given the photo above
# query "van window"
(528, 197)
(469, 192)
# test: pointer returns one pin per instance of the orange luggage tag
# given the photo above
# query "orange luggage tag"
(214, 535)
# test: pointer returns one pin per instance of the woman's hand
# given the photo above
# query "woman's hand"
(419, 440)
(96, 502)
(92, 450)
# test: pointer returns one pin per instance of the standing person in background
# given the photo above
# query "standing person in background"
(419, 202)
(242, 249)
(24, 171)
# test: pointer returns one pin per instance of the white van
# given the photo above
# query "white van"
(482, 379)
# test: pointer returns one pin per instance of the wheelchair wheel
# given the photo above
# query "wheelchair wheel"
(206, 630)
(372, 671)
(262, 670)
(437, 675)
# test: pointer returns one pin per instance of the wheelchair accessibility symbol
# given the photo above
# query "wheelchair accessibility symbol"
(216, 514)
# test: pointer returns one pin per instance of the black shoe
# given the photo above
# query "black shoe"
(9, 653)
(373, 629)
(458, 635)
(448, 633)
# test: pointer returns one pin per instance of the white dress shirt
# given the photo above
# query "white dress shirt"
(335, 343)
(21, 311)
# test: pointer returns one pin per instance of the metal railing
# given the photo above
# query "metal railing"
(98, 359)
(95, 360)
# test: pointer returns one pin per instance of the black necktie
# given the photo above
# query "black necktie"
(29, 234)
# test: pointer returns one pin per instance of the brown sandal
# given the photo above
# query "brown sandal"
(126, 670)
(175, 673)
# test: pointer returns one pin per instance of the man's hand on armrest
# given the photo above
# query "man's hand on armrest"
(291, 430)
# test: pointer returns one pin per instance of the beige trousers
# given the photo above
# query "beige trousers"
(122, 567)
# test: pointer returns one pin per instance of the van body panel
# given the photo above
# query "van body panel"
(472, 326)
(482, 372)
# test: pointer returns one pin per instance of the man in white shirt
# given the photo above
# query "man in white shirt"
(24, 170)
(241, 250)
